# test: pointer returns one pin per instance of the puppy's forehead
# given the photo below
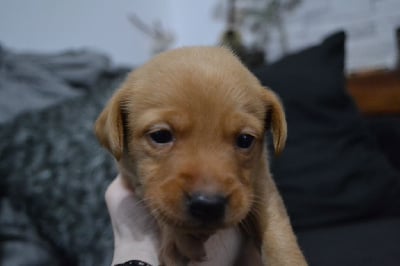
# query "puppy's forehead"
(202, 79)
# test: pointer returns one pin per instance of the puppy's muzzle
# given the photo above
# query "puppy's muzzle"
(207, 208)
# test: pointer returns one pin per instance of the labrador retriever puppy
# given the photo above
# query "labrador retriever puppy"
(188, 132)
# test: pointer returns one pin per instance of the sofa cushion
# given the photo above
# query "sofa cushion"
(331, 169)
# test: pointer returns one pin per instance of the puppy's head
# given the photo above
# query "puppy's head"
(189, 125)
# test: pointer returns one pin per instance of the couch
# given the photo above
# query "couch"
(339, 175)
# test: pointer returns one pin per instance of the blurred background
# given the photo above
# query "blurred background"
(60, 62)
(131, 31)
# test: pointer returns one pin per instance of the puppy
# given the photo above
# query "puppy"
(188, 132)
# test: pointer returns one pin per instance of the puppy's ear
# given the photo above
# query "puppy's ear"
(109, 128)
(275, 119)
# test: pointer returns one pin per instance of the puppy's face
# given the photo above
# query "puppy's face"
(189, 125)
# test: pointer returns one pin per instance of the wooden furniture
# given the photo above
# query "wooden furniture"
(376, 92)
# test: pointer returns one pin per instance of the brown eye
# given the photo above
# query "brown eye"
(162, 136)
(244, 141)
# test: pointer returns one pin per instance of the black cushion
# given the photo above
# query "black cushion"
(371, 242)
(331, 169)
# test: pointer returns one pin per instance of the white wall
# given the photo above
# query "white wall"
(48, 25)
(193, 22)
(370, 27)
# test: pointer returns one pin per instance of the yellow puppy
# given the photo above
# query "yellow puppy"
(188, 132)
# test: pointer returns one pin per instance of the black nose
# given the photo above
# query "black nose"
(207, 208)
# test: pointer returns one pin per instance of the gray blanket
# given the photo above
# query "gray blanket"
(32, 81)
(53, 173)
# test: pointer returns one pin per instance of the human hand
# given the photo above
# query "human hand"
(135, 231)
(136, 234)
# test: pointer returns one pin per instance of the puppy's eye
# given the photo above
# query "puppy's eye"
(244, 141)
(162, 136)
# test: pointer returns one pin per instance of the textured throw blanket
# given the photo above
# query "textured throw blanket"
(30, 81)
(53, 173)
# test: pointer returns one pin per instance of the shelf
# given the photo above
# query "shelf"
(376, 92)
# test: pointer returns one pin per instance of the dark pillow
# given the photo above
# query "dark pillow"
(331, 169)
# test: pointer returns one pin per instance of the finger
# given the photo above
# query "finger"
(129, 215)
(117, 189)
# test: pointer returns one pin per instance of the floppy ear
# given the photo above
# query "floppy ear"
(276, 119)
(109, 128)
